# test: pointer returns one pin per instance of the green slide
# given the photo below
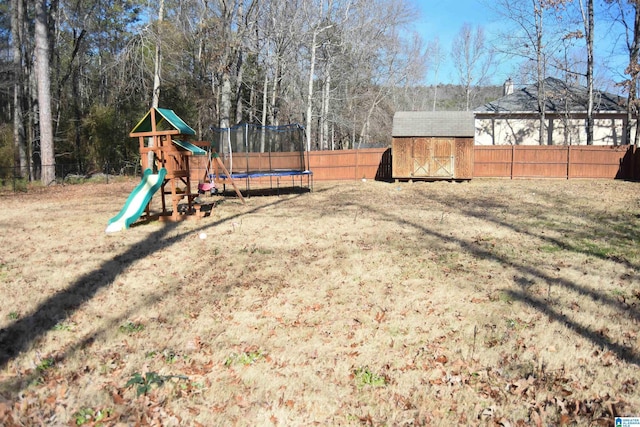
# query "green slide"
(137, 200)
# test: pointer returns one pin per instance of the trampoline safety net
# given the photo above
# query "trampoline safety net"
(254, 149)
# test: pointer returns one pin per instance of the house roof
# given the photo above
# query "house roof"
(433, 123)
(561, 97)
(165, 120)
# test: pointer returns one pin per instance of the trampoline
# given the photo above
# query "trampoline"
(267, 156)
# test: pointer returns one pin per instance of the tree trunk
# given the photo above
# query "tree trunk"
(225, 100)
(325, 109)
(588, 29)
(157, 66)
(312, 65)
(541, 71)
(435, 94)
(32, 124)
(265, 98)
(19, 136)
(239, 106)
(633, 70)
(75, 88)
(158, 59)
(275, 89)
(47, 157)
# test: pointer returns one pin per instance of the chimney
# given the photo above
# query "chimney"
(507, 88)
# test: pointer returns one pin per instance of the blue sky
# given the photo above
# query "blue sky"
(443, 19)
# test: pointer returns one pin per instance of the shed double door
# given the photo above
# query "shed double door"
(433, 157)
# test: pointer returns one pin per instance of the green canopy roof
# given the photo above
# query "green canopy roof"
(195, 150)
(165, 120)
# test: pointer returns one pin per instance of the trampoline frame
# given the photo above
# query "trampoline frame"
(248, 176)
(225, 150)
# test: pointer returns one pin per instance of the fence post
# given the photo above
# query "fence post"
(635, 174)
(635, 165)
(568, 161)
(513, 158)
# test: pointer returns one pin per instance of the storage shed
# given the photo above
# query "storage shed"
(432, 145)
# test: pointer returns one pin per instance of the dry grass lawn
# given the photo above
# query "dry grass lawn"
(489, 302)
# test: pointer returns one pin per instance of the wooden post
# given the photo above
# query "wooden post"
(513, 157)
(569, 161)
(634, 173)
(224, 169)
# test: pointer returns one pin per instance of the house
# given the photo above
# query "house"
(432, 145)
(514, 119)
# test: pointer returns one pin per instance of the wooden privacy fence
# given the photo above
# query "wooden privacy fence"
(620, 162)
(518, 161)
(368, 163)
(525, 161)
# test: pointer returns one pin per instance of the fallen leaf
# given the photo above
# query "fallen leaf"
(535, 417)
(117, 399)
(241, 401)
(442, 359)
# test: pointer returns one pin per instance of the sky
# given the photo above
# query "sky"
(443, 19)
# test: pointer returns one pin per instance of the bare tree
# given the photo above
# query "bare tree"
(19, 135)
(157, 67)
(235, 19)
(533, 40)
(472, 59)
(319, 18)
(538, 17)
(43, 77)
(360, 56)
(158, 61)
(587, 19)
(402, 63)
(277, 35)
(434, 52)
(627, 13)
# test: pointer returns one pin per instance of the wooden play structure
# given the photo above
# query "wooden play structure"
(164, 134)
(164, 154)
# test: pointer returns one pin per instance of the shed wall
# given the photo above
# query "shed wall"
(432, 158)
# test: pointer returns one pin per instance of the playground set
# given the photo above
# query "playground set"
(164, 154)
(261, 153)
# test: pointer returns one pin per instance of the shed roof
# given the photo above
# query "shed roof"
(165, 120)
(560, 97)
(433, 123)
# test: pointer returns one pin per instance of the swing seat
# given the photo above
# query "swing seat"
(207, 186)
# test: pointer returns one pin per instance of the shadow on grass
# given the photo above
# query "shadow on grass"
(262, 192)
(18, 336)
(625, 353)
(612, 228)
